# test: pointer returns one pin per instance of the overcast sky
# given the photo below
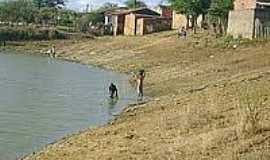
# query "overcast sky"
(81, 4)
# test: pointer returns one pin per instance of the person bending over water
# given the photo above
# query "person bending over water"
(51, 52)
(113, 91)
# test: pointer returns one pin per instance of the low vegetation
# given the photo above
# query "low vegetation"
(29, 33)
(253, 110)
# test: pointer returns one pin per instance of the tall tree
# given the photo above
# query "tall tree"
(205, 7)
(191, 8)
(219, 11)
(17, 11)
(135, 4)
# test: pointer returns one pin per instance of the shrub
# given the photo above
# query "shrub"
(252, 105)
(28, 33)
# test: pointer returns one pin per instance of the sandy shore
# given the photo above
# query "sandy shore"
(202, 95)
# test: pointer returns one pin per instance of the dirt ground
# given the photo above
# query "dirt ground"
(208, 102)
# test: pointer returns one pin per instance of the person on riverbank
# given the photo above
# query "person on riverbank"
(51, 52)
(2, 43)
(140, 78)
(182, 33)
(113, 91)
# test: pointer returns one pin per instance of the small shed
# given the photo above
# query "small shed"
(141, 24)
(133, 21)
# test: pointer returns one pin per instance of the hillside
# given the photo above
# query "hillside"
(208, 102)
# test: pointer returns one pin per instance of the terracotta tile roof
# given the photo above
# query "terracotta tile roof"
(128, 11)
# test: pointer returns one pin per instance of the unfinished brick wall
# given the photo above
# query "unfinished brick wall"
(140, 27)
(151, 25)
(178, 21)
(244, 4)
(129, 27)
(241, 23)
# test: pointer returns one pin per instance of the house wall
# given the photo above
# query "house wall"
(130, 25)
(178, 20)
(164, 11)
(244, 4)
(140, 27)
(115, 24)
(121, 24)
(241, 23)
(151, 25)
(167, 12)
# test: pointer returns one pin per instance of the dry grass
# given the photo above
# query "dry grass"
(208, 102)
(253, 110)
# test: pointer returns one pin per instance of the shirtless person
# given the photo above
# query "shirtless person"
(140, 77)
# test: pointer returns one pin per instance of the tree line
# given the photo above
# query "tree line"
(34, 11)
(216, 11)
(52, 12)
(49, 11)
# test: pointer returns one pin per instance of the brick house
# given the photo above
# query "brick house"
(250, 19)
(179, 20)
(164, 11)
(136, 21)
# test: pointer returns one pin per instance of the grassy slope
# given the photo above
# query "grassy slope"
(199, 108)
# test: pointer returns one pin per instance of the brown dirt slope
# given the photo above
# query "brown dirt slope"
(208, 102)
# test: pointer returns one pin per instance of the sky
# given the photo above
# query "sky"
(80, 5)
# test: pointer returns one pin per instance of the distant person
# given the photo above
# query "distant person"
(140, 78)
(182, 33)
(113, 91)
(51, 52)
(2, 43)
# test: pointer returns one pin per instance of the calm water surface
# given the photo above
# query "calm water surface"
(42, 100)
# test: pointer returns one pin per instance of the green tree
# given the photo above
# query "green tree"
(93, 19)
(219, 11)
(46, 16)
(205, 7)
(67, 18)
(49, 11)
(49, 3)
(3, 11)
(18, 11)
(135, 4)
(191, 8)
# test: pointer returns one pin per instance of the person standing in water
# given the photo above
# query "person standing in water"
(113, 91)
(140, 79)
(53, 52)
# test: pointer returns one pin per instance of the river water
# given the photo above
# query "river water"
(43, 100)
